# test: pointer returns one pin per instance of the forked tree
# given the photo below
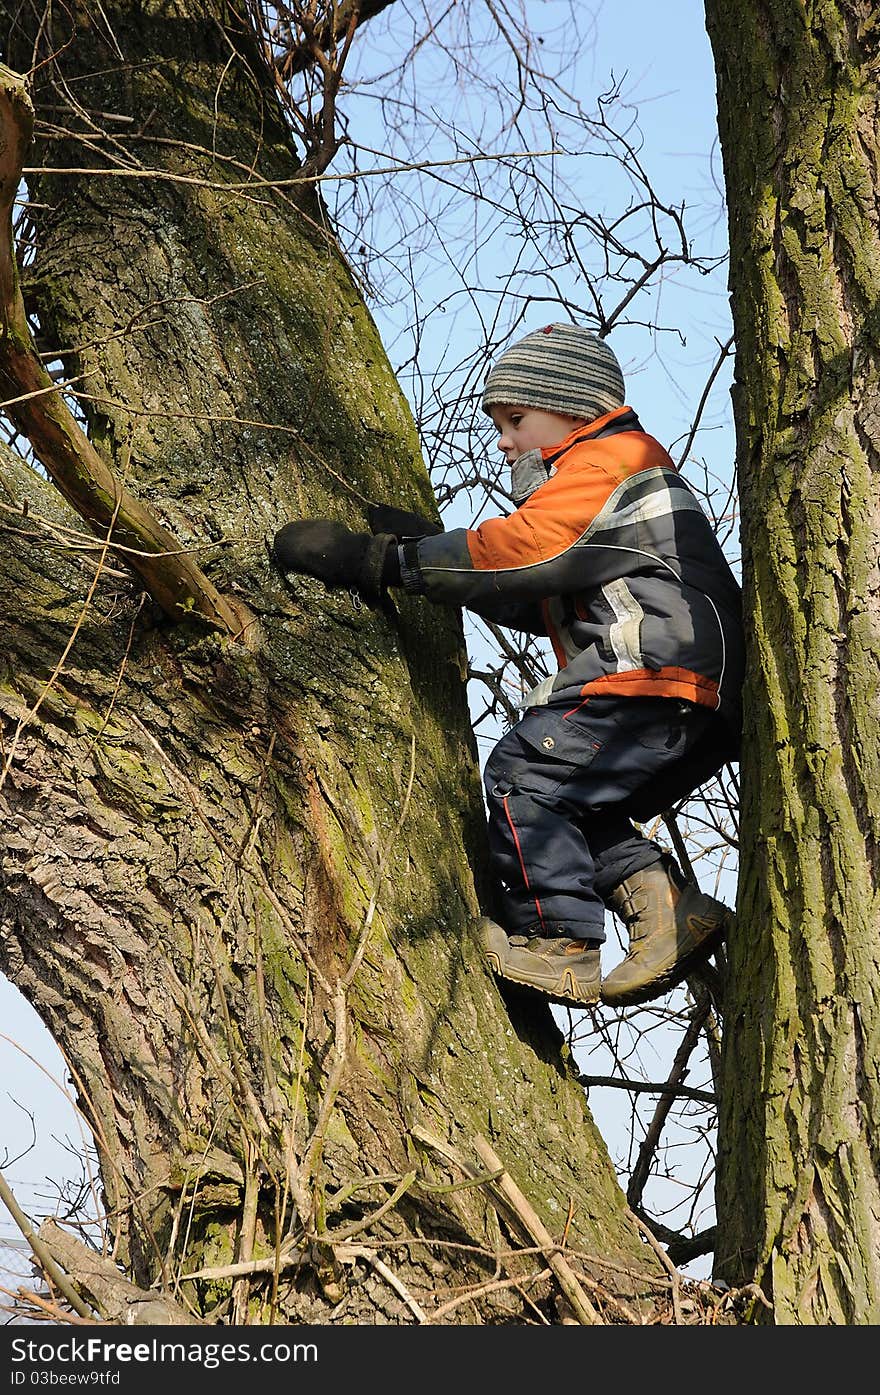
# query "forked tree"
(243, 831)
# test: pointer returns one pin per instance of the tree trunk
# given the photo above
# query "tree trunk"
(799, 1164)
(239, 879)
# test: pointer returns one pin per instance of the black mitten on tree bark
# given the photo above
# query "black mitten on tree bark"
(325, 549)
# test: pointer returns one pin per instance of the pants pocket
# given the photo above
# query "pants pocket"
(542, 752)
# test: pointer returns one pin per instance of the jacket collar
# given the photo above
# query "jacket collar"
(535, 467)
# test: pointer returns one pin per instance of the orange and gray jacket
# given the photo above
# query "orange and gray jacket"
(610, 554)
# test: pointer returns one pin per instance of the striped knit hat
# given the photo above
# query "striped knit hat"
(560, 368)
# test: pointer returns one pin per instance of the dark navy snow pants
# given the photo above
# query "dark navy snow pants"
(563, 787)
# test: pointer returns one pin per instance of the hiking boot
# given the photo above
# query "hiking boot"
(566, 970)
(672, 926)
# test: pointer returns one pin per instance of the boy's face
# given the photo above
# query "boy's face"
(528, 428)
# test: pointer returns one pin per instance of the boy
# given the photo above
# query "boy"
(609, 554)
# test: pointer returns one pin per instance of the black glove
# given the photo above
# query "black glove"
(385, 518)
(333, 553)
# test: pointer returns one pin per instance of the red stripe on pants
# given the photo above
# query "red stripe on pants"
(521, 861)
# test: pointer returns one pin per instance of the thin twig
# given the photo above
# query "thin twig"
(506, 1189)
(361, 1252)
(252, 186)
(645, 1087)
(665, 1261)
(491, 1286)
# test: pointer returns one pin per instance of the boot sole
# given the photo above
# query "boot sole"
(671, 976)
(568, 991)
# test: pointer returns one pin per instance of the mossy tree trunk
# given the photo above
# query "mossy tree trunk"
(239, 878)
(799, 1167)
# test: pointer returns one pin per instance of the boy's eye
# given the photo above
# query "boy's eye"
(515, 420)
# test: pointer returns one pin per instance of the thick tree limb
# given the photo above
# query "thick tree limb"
(36, 407)
(119, 1300)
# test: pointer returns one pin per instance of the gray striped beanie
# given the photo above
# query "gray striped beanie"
(560, 368)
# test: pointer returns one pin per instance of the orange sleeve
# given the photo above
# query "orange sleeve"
(531, 553)
(553, 518)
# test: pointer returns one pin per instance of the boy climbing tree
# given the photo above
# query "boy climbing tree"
(610, 554)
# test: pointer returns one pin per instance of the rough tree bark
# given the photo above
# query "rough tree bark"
(799, 1164)
(237, 876)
